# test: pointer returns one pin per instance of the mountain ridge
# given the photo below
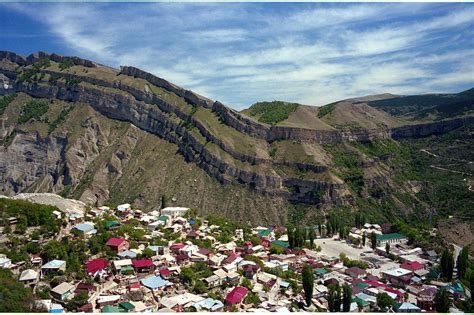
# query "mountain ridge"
(282, 162)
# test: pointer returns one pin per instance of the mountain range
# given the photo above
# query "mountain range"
(98, 134)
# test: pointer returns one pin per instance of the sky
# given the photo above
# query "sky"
(241, 53)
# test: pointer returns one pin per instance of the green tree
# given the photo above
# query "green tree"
(334, 298)
(447, 264)
(462, 263)
(373, 240)
(308, 283)
(346, 298)
(387, 248)
(14, 297)
(163, 201)
(384, 301)
(291, 237)
(200, 287)
(441, 301)
(311, 238)
(363, 239)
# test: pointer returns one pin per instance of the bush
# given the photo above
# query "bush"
(65, 64)
(272, 112)
(5, 101)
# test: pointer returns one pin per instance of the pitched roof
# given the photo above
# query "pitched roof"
(95, 265)
(141, 263)
(127, 253)
(406, 306)
(154, 282)
(280, 243)
(236, 295)
(115, 241)
(28, 275)
(53, 264)
(412, 265)
(62, 288)
(109, 224)
(165, 272)
(127, 306)
(355, 270)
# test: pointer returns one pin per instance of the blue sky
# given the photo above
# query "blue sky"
(240, 53)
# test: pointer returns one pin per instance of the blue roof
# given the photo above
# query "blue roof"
(285, 284)
(154, 282)
(210, 304)
(128, 253)
(84, 227)
(192, 221)
(154, 248)
(54, 264)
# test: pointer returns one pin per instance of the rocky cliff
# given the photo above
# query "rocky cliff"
(276, 163)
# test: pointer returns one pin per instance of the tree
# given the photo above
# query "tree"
(384, 301)
(462, 263)
(441, 301)
(163, 201)
(387, 248)
(200, 287)
(363, 239)
(148, 253)
(346, 298)
(334, 298)
(291, 237)
(14, 296)
(311, 238)
(308, 283)
(373, 240)
(447, 264)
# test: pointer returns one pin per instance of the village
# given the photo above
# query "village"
(172, 260)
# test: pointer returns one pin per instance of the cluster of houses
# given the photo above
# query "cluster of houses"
(130, 282)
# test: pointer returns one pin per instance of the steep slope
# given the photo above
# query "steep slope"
(95, 133)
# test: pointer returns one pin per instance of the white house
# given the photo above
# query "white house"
(124, 207)
(5, 262)
(174, 211)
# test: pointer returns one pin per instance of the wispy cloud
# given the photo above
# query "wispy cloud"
(242, 53)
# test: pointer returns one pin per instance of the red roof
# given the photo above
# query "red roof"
(229, 259)
(177, 246)
(135, 286)
(204, 251)
(375, 284)
(236, 295)
(95, 265)
(412, 265)
(142, 263)
(115, 241)
(398, 293)
(165, 272)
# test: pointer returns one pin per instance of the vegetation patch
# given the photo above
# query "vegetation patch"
(326, 109)
(272, 112)
(60, 119)
(65, 64)
(33, 110)
(5, 101)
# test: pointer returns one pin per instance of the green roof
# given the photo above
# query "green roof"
(359, 301)
(109, 224)
(281, 243)
(126, 268)
(127, 305)
(320, 271)
(390, 236)
(362, 285)
(264, 232)
(163, 218)
(111, 309)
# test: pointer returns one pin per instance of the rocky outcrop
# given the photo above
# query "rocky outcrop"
(423, 130)
(23, 61)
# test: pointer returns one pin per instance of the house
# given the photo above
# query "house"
(398, 276)
(280, 244)
(355, 272)
(154, 282)
(118, 244)
(143, 265)
(57, 214)
(85, 229)
(62, 291)
(112, 224)
(405, 307)
(5, 262)
(124, 207)
(425, 298)
(235, 297)
(123, 265)
(209, 305)
(413, 266)
(29, 276)
(53, 266)
(431, 255)
(182, 259)
(174, 212)
(96, 267)
(213, 281)
(391, 238)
